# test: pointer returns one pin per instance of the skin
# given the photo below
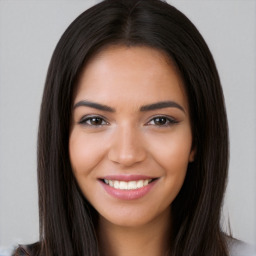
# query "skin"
(130, 141)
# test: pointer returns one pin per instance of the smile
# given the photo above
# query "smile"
(130, 185)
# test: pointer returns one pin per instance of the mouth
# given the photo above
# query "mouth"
(128, 185)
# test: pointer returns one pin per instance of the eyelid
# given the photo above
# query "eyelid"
(171, 120)
(85, 118)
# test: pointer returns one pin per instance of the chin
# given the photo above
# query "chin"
(133, 219)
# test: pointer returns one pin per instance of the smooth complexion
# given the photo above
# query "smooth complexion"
(131, 124)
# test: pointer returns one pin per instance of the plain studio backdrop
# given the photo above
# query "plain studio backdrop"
(29, 31)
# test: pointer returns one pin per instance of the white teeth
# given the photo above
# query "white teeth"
(145, 183)
(140, 184)
(116, 184)
(123, 185)
(132, 185)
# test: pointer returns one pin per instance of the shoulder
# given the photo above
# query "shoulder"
(239, 248)
(27, 250)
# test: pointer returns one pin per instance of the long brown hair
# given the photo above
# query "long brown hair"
(67, 220)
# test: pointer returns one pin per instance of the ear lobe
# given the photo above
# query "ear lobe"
(192, 155)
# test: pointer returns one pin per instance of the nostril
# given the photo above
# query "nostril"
(125, 158)
(126, 145)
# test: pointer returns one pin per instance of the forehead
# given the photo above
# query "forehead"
(135, 73)
(132, 55)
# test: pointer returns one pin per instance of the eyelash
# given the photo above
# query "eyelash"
(84, 121)
(168, 121)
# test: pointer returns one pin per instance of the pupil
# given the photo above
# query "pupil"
(96, 121)
(161, 120)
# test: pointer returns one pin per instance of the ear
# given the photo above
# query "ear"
(192, 154)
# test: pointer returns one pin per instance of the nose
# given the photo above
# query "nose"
(126, 147)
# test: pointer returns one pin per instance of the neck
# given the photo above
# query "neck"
(151, 239)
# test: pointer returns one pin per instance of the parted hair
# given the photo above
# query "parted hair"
(68, 222)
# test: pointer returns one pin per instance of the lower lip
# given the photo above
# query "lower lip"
(131, 194)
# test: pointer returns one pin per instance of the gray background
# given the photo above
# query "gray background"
(29, 31)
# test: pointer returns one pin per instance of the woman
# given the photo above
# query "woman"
(133, 138)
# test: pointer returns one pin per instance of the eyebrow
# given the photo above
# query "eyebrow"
(150, 107)
(160, 105)
(95, 105)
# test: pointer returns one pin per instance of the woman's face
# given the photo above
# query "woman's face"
(130, 141)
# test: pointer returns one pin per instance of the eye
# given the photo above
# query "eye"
(93, 121)
(162, 121)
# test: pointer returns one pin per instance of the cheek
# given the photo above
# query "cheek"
(85, 152)
(172, 151)
(173, 159)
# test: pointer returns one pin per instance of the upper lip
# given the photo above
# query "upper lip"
(130, 177)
